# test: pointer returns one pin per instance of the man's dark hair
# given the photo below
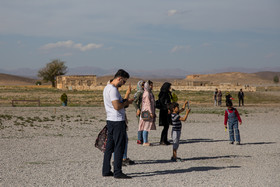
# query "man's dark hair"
(173, 105)
(229, 103)
(122, 73)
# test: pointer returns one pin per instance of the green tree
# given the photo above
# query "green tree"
(276, 79)
(52, 70)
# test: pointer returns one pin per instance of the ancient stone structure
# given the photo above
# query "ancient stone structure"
(76, 82)
(89, 82)
(198, 83)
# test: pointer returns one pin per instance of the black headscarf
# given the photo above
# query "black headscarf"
(165, 88)
(165, 94)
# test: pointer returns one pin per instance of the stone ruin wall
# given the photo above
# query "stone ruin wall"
(212, 88)
(196, 88)
(76, 82)
(209, 86)
(89, 82)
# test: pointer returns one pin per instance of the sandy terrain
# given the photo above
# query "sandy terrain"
(47, 146)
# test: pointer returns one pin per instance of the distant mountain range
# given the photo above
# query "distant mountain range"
(152, 74)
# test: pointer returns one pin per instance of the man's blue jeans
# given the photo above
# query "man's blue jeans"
(116, 141)
(233, 130)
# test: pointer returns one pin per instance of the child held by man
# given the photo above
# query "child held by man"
(177, 126)
(232, 117)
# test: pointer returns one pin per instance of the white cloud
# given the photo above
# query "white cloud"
(72, 45)
(180, 48)
(172, 12)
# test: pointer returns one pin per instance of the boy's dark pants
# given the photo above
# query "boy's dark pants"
(115, 144)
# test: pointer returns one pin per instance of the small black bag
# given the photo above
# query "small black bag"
(101, 140)
(158, 105)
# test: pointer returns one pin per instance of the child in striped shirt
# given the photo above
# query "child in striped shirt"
(177, 126)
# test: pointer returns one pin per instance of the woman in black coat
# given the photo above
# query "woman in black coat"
(164, 98)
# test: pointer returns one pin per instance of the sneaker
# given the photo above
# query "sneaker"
(122, 176)
(110, 174)
(139, 142)
(146, 144)
(237, 143)
(173, 159)
(127, 161)
(230, 142)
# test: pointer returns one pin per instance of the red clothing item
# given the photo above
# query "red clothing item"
(231, 111)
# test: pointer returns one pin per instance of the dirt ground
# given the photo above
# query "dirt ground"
(54, 146)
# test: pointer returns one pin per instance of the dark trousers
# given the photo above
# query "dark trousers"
(164, 133)
(241, 100)
(116, 141)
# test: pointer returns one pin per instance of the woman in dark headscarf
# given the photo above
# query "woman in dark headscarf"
(164, 98)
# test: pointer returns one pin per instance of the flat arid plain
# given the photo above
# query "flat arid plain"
(54, 146)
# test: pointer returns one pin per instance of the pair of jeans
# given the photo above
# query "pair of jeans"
(145, 136)
(140, 136)
(233, 131)
(116, 141)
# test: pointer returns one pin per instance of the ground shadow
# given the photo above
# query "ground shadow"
(155, 144)
(178, 171)
(258, 143)
(188, 141)
(187, 159)
(215, 157)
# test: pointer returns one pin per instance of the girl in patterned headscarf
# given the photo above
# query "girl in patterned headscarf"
(148, 104)
(137, 104)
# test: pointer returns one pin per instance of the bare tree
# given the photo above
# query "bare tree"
(52, 69)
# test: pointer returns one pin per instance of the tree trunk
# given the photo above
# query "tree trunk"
(53, 84)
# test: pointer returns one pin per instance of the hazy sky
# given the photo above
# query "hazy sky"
(195, 35)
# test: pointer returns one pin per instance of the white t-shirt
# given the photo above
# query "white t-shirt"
(111, 93)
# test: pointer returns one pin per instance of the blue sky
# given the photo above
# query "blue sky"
(195, 35)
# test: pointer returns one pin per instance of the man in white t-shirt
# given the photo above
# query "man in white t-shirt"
(115, 112)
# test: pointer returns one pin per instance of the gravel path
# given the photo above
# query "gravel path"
(46, 146)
